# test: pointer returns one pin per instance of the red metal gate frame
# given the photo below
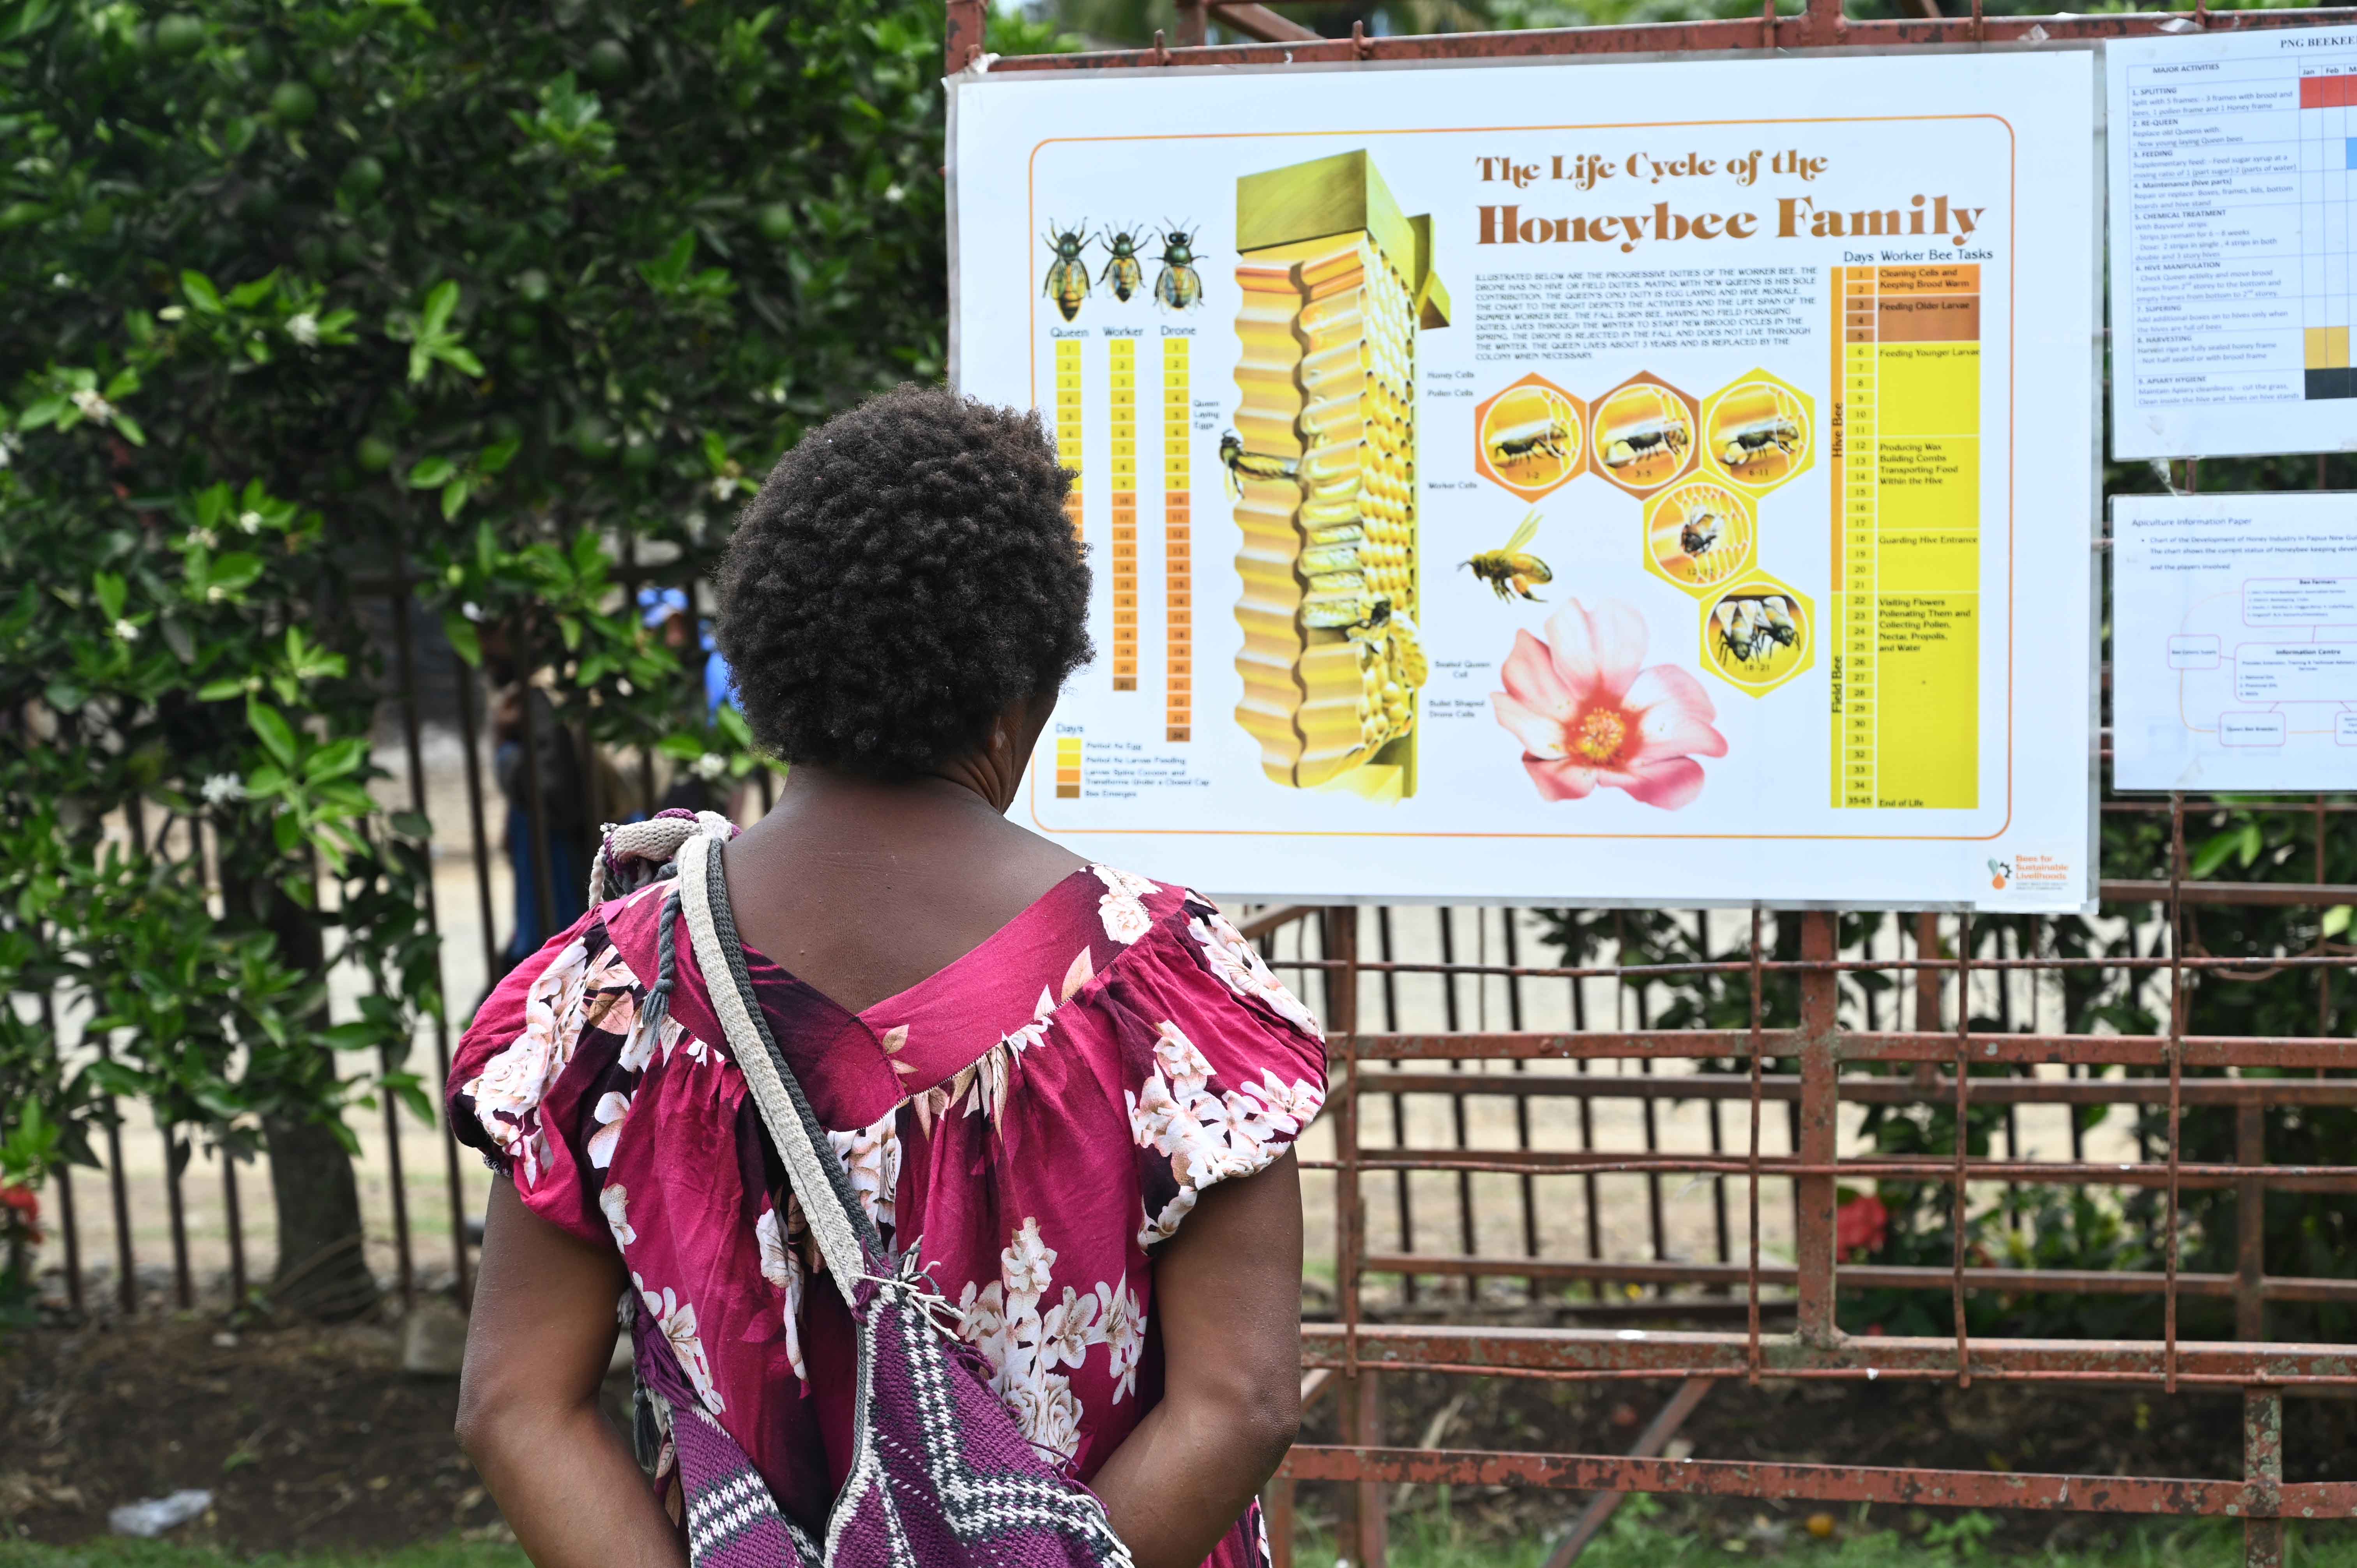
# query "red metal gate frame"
(1352, 1353)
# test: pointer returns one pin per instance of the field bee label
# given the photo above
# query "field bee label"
(1673, 506)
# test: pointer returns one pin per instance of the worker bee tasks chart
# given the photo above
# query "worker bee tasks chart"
(2233, 159)
(1630, 483)
(2235, 642)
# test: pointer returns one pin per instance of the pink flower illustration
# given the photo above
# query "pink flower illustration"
(1589, 711)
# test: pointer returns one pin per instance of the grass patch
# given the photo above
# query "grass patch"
(1431, 1537)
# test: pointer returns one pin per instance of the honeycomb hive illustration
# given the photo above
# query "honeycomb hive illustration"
(1336, 283)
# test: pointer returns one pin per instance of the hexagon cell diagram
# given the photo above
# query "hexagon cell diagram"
(1531, 437)
(1757, 431)
(1700, 534)
(1759, 634)
(1644, 434)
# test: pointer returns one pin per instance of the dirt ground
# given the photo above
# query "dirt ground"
(314, 1439)
(308, 1438)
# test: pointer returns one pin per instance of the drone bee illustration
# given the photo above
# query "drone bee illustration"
(1123, 272)
(1511, 567)
(1068, 274)
(1176, 286)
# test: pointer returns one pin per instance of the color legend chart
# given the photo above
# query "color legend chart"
(1068, 767)
(2325, 159)
(1178, 546)
(1068, 420)
(1906, 537)
(1121, 380)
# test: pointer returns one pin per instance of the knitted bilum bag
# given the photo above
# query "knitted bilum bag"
(940, 1476)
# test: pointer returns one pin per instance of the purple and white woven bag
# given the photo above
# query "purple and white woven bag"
(940, 1476)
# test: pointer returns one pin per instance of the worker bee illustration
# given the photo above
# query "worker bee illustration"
(1521, 443)
(1510, 567)
(1648, 438)
(1747, 443)
(1123, 272)
(1242, 465)
(1700, 530)
(1068, 274)
(1750, 628)
(1176, 286)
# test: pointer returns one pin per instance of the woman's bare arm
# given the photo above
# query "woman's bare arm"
(1227, 1293)
(537, 1347)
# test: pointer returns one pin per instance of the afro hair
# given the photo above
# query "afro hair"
(907, 573)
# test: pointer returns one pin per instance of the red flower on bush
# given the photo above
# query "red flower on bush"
(27, 1217)
(1861, 1224)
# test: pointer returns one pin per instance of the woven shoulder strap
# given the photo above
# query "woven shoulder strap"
(847, 1238)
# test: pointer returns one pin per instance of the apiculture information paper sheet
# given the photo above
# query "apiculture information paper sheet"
(2232, 158)
(2235, 642)
(1501, 483)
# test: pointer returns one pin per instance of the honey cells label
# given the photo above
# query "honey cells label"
(1488, 504)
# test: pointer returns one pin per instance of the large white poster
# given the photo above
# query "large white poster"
(2231, 160)
(2235, 642)
(1630, 483)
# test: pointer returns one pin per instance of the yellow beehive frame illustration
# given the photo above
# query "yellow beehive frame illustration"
(1336, 281)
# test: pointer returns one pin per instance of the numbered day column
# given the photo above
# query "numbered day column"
(1068, 422)
(1178, 546)
(1121, 379)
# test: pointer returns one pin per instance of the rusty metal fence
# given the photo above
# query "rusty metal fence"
(1755, 1319)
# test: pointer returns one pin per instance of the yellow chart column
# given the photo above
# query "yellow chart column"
(1907, 539)
(1068, 422)
(1178, 546)
(1122, 379)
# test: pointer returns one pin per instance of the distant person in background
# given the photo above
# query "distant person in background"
(563, 801)
(708, 688)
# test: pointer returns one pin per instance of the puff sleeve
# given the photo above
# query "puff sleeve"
(1224, 1067)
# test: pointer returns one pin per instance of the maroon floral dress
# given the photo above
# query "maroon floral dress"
(1031, 1120)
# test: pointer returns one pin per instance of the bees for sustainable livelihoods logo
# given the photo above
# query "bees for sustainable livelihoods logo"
(2001, 872)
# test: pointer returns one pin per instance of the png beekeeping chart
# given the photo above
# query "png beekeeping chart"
(2235, 642)
(2234, 158)
(1630, 483)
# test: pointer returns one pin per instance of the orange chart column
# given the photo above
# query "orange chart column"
(1068, 422)
(1122, 379)
(1177, 545)
(1856, 558)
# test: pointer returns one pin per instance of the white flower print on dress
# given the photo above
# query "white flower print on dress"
(1207, 1135)
(981, 1323)
(871, 1156)
(1068, 1329)
(676, 1320)
(614, 1201)
(1238, 964)
(610, 980)
(783, 1268)
(1026, 1263)
(507, 1092)
(609, 1111)
(1123, 907)
(1121, 1324)
(1049, 1415)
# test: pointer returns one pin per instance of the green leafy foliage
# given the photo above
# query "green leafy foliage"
(319, 307)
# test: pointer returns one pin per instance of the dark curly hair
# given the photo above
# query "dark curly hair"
(907, 573)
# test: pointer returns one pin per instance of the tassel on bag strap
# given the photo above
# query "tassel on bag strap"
(846, 1238)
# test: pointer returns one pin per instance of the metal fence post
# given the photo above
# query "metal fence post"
(1813, 1196)
(1361, 1405)
(2263, 1530)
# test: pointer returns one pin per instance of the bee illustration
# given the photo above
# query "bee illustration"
(1748, 442)
(1242, 465)
(1700, 530)
(1068, 274)
(1652, 438)
(1732, 620)
(1776, 624)
(1521, 443)
(1176, 287)
(1510, 567)
(1122, 272)
(1386, 625)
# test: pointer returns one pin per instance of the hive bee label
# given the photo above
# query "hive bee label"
(1489, 504)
